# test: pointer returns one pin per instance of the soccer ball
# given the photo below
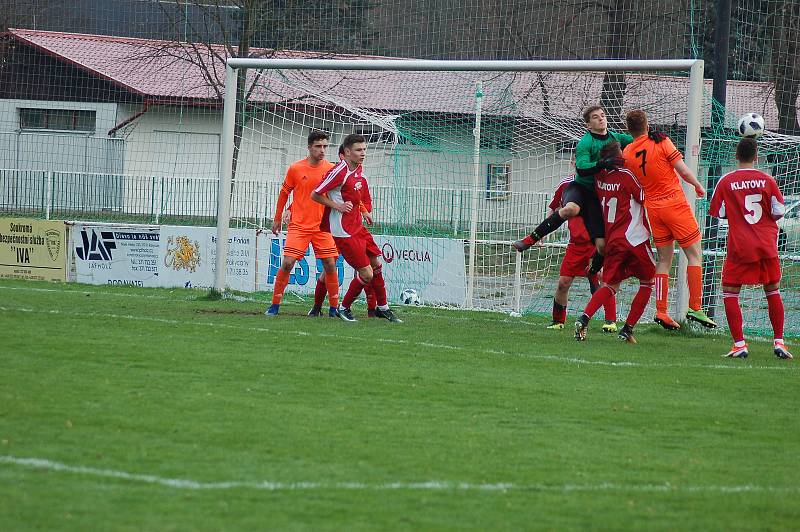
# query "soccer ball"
(409, 296)
(751, 126)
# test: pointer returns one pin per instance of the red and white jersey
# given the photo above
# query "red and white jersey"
(621, 198)
(751, 201)
(342, 185)
(578, 234)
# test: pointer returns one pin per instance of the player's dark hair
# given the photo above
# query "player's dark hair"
(314, 136)
(341, 149)
(636, 122)
(612, 149)
(352, 138)
(746, 150)
(587, 113)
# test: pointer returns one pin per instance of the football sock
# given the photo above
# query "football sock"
(639, 303)
(320, 290)
(550, 224)
(610, 307)
(775, 309)
(355, 288)
(694, 277)
(733, 313)
(662, 291)
(332, 284)
(559, 312)
(372, 303)
(597, 300)
(281, 280)
(379, 287)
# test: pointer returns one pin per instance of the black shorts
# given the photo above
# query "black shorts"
(586, 199)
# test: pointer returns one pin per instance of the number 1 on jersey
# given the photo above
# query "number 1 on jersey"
(611, 215)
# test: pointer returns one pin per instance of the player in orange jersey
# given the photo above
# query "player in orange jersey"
(301, 179)
(656, 163)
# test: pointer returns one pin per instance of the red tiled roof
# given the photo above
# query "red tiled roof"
(162, 70)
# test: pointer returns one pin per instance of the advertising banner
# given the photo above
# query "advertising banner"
(188, 257)
(116, 254)
(434, 267)
(33, 249)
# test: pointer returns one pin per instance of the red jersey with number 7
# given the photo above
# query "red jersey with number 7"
(751, 201)
(621, 198)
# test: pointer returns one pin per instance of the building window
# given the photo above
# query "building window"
(498, 181)
(57, 120)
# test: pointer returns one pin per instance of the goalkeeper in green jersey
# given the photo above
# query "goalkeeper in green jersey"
(580, 198)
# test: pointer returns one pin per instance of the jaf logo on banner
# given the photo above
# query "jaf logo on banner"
(301, 272)
(95, 248)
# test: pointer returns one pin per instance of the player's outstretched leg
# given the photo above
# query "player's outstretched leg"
(550, 224)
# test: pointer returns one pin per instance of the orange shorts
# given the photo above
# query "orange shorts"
(673, 222)
(764, 271)
(297, 241)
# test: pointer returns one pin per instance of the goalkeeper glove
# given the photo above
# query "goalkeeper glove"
(611, 163)
(596, 265)
(656, 136)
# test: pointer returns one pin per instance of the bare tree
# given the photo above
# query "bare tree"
(208, 32)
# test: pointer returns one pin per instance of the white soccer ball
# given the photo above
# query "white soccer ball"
(409, 296)
(751, 126)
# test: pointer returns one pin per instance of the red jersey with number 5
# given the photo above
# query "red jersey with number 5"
(751, 201)
(621, 198)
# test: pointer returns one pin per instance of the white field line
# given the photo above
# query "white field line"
(734, 365)
(430, 485)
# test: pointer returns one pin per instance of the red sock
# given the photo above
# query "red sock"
(559, 312)
(353, 291)
(372, 302)
(598, 299)
(694, 277)
(320, 290)
(610, 307)
(775, 308)
(332, 283)
(639, 303)
(662, 291)
(733, 313)
(379, 286)
(281, 280)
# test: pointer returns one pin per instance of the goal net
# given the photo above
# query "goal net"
(462, 159)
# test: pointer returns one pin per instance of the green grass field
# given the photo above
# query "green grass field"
(137, 409)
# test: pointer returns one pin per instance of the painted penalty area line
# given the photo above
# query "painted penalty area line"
(431, 485)
(450, 347)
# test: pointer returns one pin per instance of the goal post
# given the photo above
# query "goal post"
(505, 124)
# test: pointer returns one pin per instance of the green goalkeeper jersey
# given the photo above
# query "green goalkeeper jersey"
(587, 154)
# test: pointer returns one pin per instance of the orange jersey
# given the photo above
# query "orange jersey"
(653, 165)
(300, 181)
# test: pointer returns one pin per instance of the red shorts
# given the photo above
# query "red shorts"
(622, 262)
(576, 259)
(673, 222)
(297, 241)
(764, 271)
(358, 248)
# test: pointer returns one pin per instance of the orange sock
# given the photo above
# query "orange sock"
(694, 276)
(281, 280)
(332, 282)
(662, 290)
